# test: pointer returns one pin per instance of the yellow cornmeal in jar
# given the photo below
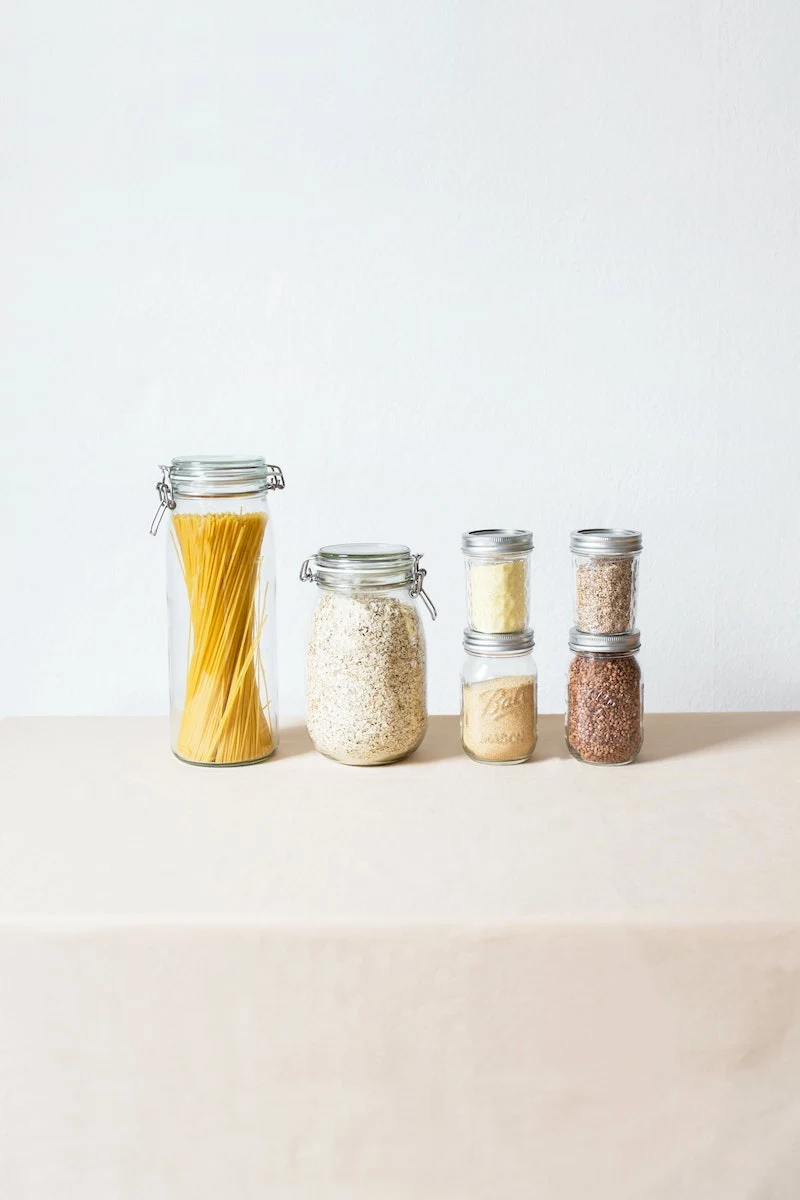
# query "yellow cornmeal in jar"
(497, 602)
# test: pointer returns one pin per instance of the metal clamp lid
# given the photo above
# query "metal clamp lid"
(202, 476)
(376, 565)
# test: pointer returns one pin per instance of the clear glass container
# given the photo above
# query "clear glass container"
(366, 700)
(497, 565)
(605, 698)
(498, 697)
(606, 574)
(221, 601)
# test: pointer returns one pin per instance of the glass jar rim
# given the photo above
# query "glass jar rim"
(363, 564)
(198, 475)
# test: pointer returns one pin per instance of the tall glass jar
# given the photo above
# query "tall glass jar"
(498, 579)
(498, 697)
(605, 698)
(606, 571)
(221, 600)
(365, 668)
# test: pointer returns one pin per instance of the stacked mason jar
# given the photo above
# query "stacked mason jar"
(498, 680)
(604, 718)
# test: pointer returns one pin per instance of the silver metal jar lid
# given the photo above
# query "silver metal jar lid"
(605, 643)
(605, 541)
(364, 565)
(490, 543)
(498, 644)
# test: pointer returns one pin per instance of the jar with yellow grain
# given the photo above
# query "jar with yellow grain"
(498, 579)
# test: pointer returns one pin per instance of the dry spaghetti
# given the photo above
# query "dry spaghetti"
(226, 716)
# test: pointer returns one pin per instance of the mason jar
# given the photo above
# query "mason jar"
(498, 697)
(606, 575)
(497, 563)
(605, 698)
(365, 668)
(221, 601)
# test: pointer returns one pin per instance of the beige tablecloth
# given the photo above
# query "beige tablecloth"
(432, 981)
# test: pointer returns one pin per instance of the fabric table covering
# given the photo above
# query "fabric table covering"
(432, 981)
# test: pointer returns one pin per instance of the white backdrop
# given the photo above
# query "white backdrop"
(448, 264)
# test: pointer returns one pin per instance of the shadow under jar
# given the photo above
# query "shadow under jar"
(606, 579)
(605, 706)
(365, 668)
(221, 600)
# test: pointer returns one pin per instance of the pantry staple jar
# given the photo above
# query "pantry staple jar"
(605, 708)
(498, 696)
(365, 668)
(606, 573)
(498, 569)
(221, 600)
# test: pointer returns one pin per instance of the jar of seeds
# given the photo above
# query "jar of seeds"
(606, 579)
(365, 668)
(604, 698)
(498, 697)
(498, 569)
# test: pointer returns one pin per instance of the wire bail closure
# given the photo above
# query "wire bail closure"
(216, 475)
(418, 574)
(275, 480)
(416, 587)
(166, 499)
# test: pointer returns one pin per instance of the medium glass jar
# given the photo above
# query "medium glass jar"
(498, 697)
(221, 600)
(365, 668)
(497, 563)
(606, 572)
(605, 698)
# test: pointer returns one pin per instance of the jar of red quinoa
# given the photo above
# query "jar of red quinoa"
(605, 708)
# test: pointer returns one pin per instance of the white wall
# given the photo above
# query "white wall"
(450, 265)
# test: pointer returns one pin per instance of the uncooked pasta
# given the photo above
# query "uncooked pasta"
(226, 717)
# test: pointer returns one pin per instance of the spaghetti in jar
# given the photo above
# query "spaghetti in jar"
(221, 599)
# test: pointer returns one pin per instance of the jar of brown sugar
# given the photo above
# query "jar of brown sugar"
(604, 698)
(606, 579)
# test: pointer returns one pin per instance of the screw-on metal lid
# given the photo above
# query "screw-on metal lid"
(605, 643)
(491, 543)
(498, 644)
(605, 541)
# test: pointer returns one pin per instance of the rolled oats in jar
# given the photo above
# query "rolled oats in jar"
(365, 667)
